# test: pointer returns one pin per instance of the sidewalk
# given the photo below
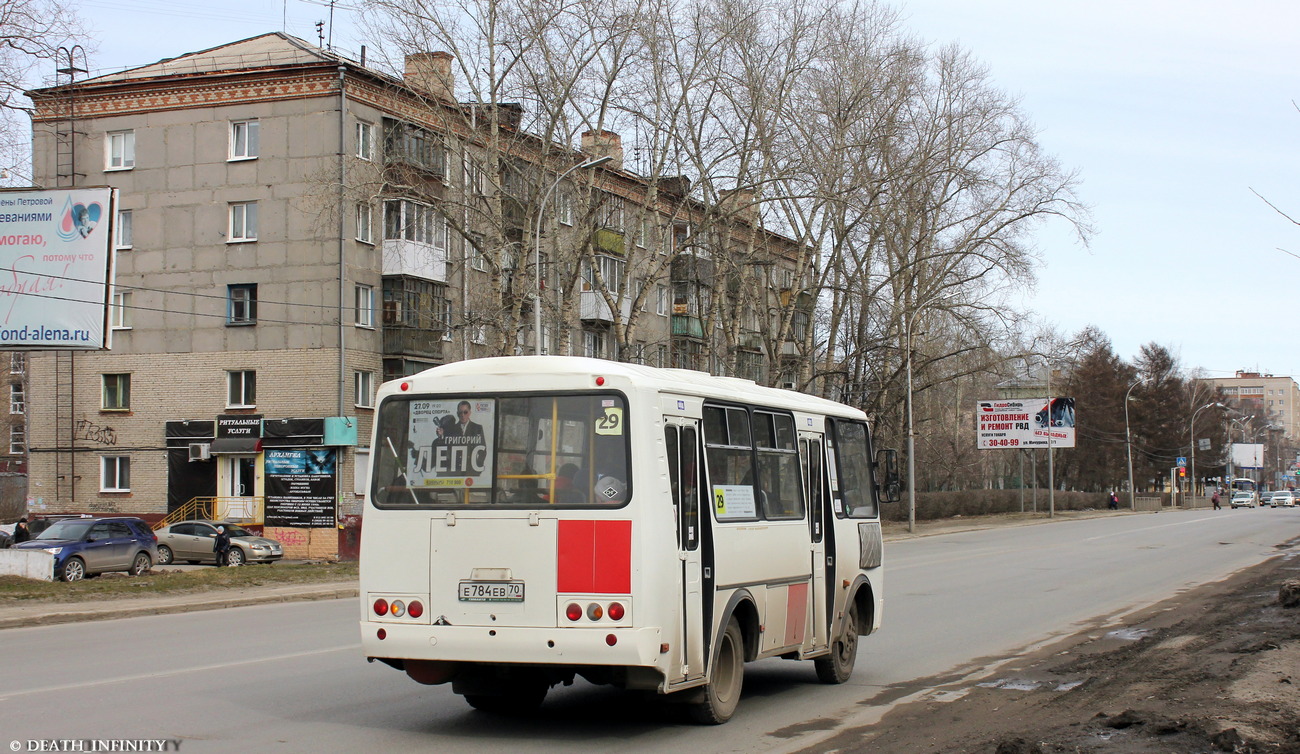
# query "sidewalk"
(47, 613)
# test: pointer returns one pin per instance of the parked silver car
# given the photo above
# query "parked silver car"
(194, 542)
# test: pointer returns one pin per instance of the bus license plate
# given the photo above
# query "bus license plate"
(491, 591)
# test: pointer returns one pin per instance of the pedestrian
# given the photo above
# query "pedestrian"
(1114, 501)
(1215, 499)
(222, 546)
(21, 532)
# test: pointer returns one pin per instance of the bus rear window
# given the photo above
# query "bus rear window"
(518, 451)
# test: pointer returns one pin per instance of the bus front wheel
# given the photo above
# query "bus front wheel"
(726, 678)
(838, 665)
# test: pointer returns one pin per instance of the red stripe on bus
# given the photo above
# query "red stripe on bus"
(796, 613)
(594, 557)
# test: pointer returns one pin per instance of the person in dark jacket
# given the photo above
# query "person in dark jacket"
(222, 546)
(21, 532)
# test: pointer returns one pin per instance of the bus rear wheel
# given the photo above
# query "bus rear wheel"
(726, 679)
(838, 665)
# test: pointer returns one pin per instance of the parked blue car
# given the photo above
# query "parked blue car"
(88, 546)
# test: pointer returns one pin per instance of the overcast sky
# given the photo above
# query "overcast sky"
(1171, 112)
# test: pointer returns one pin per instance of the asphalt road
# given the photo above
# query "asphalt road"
(290, 677)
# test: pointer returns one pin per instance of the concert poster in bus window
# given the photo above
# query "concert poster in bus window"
(451, 444)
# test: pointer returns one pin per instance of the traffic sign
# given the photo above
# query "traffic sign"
(1182, 460)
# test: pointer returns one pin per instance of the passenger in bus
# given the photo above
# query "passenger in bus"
(566, 490)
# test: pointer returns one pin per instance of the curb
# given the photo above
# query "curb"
(34, 615)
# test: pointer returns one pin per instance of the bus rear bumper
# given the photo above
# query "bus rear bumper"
(641, 647)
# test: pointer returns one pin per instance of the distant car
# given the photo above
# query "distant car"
(6, 539)
(194, 542)
(39, 523)
(89, 546)
(1282, 499)
(1243, 500)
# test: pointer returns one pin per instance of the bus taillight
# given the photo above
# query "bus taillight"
(595, 611)
(573, 611)
(397, 608)
(616, 611)
(381, 606)
(415, 609)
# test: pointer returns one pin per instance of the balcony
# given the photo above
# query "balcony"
(592, 307)
(688, 326)
(415, 259)
(416, 342)
(609, 242)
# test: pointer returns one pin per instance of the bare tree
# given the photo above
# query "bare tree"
(31, 34)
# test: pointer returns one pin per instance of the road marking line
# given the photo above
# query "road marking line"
(4, 696)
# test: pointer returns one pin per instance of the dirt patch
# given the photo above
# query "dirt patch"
(1216, 669)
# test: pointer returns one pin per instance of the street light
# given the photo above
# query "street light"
(537, 249)
(1128, 440)
(1193, 433)
(911, 432)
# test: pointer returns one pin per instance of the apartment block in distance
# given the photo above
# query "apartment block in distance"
(294, 227)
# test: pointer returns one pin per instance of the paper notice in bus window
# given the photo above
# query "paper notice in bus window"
(733, 501)
(451, 444)
(611, 423)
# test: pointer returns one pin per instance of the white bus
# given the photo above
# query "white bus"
(534, 519)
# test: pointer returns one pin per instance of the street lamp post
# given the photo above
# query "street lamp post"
(911, 432)
(1128, 440)
(537, 249)
(1193, 434)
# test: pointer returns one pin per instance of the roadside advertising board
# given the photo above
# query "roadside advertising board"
(56, 251)
(1024, 423)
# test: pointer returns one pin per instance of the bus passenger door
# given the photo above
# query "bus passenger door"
(814, 479)
(683, 447)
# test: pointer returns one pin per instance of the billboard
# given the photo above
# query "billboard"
(56, 251)
(1025, 423)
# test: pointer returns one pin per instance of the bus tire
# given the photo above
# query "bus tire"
(721, 694)
(837, 666)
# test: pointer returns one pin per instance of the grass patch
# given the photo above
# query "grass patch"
(14, 589)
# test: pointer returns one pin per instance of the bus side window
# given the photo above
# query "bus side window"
(811, 459)
(690, 484)
(673, 451)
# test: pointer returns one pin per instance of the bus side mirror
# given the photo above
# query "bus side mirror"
(888, 481)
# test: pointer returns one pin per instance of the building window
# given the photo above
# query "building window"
(564, 207)
(17, 439)
(119, 315)
(120, 147)
(478, 334)
(243, 222)
(593, 344)
(611, 273)
(366, 140)
(365, 306)
(405, 220)
(241, 306)
(17, 398)
(364, 382)
(661, 300)
(442, 310)
(475, 180)
(243, 140)
(117, 392)
(124, 229)
(114, 474)
(477, 260)
(18, 363)
(365, 233)
(241, 389)
(412, 145)
(643, 233)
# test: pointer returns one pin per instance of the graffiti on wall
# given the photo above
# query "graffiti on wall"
(88, 430)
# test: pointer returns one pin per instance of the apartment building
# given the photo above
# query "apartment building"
(293, 227)
(1274, 396)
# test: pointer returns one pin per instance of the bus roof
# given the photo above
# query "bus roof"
(677, 381)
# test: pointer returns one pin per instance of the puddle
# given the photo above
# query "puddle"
(1128, 634)
(1011, 684)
